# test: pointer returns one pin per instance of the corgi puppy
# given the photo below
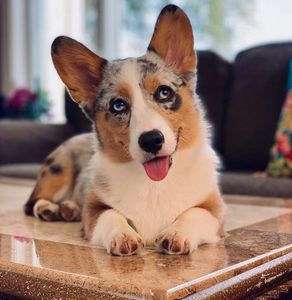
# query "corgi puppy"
(147, 175)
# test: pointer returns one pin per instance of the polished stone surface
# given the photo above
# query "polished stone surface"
(51, 259)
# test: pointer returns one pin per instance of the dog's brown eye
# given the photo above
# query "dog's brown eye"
(163, 93)
(118, 106)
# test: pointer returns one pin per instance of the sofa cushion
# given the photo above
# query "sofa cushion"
(259, 77)
(248, 184)
(212, 87)
(30, 142)
(29, 171)
(75, 116)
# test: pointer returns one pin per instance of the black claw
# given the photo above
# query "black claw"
(41, 217)
(47, 213)
(165, 244)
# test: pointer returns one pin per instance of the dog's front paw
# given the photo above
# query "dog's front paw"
(177, 240)
(194, 227)
(173, 243)
(123, 244)
(113, 232)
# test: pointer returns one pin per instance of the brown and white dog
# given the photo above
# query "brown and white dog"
(147, 175)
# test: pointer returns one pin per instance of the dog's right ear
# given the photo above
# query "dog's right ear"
(80, 70)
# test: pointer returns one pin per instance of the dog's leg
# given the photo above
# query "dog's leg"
(106, 227)
(196, 226)
(54, 184)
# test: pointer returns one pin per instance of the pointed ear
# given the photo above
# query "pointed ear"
(80, 70)
(173, 39)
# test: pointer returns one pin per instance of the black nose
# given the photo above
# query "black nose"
(151, 141)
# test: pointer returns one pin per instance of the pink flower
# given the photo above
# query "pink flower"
(20, 98)
(283, 144)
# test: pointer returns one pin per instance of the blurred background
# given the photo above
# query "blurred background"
(118, 29)
(244, 80)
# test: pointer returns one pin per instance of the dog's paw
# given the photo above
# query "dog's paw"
(70, 211)
(46, 210)
(173, 243)
(193, 228)
(177, 240)
(123, 244)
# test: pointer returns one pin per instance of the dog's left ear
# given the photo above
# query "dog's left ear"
(173, 39)
(80, 70)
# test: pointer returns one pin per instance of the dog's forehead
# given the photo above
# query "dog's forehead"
(121, 73)
(119, 68)
(134, 70)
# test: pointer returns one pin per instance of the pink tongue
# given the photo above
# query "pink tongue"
(157, 168)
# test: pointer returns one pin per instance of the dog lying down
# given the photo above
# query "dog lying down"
(147, 173)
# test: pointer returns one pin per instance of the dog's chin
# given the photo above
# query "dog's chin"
(158, 167)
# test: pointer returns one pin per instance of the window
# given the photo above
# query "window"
(31, 26)
(225, 26)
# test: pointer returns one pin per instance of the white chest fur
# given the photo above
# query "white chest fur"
(152, 206)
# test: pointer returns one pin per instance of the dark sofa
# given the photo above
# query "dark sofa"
(243, 101)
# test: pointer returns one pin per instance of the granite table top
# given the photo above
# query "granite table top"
(51, 261)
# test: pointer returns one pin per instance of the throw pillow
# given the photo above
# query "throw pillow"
(281, 153)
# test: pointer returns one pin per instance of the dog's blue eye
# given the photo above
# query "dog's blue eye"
(163, 93)
(118, 106)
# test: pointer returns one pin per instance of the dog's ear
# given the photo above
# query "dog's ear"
(173, 39)
(80, 70)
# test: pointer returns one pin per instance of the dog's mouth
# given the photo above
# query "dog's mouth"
(158, 167)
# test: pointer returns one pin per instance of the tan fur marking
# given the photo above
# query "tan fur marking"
(114, 137)
(151, 83)
(50, 184)
(93, 208)
(184, 122)
(125, 91)
(215, 205)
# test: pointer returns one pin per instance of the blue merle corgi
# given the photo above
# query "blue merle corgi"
(147, 173)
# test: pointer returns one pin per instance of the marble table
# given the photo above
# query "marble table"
(51, 261)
